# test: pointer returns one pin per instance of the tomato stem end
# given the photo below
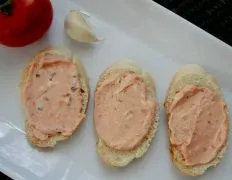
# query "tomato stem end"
(6, 7)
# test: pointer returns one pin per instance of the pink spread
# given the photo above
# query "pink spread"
(124, 111)
(52, 96)
(198, 124)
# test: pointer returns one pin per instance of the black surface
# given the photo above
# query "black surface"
(214, 16)
(3, 177)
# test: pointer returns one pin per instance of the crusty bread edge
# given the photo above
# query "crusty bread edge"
(52, 141)
(195, 75)
(118, 158)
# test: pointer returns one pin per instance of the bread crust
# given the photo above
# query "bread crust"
(52, 141)
(118, 158)
(193, 74)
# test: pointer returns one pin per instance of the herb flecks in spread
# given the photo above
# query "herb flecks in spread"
(52, 107)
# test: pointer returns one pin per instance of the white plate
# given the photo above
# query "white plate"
(139, 29)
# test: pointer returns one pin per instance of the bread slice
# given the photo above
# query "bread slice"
(51, 141)
(118, 158)
(192, 75)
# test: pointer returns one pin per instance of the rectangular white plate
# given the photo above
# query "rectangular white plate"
(158, 40)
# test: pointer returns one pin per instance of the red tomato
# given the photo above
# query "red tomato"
(27, 21)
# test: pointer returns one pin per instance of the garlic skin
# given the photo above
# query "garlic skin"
(78, 29)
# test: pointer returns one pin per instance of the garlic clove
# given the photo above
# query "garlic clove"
(78, 28)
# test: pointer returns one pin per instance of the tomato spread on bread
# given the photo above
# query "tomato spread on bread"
(198, 124)
(52, 95)
(124, 110)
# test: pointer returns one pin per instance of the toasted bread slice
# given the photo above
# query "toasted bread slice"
(118, 158)
(192, 75)
(52, 140)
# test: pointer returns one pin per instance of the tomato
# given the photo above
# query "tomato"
(22, 22)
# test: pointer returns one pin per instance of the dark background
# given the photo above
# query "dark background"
(214, 16)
